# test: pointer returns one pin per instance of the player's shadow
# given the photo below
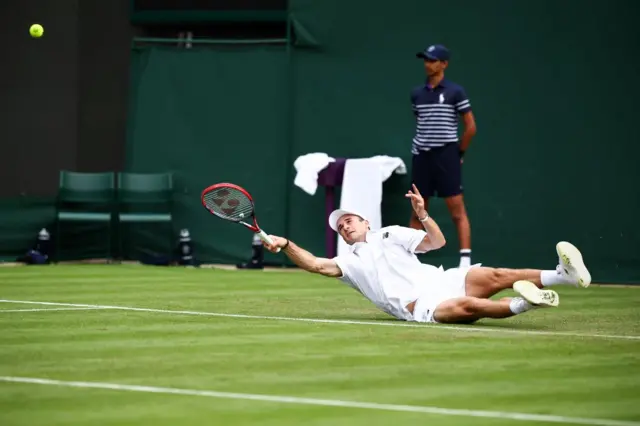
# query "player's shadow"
(507, 325)
(483, 324)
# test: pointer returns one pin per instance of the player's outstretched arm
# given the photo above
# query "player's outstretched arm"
(304, 259)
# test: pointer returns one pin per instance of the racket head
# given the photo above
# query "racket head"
(230, 202)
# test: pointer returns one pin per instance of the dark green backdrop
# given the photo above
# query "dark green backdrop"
(209, 116)
(553, 85)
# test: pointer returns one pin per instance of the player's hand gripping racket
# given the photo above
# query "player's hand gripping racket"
(234, 203)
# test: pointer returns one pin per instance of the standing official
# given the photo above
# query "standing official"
(437, 150)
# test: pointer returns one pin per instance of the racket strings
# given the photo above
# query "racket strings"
(229, 203)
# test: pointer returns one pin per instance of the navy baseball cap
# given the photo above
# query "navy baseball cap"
(436, 52)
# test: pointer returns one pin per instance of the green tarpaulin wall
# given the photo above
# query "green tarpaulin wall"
(553, 86)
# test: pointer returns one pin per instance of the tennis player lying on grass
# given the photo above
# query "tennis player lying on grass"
(383, 267)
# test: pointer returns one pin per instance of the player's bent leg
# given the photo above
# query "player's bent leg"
(571, 270)
(484, 282)
(465, 310)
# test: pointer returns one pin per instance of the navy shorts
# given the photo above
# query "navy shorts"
(438, 172)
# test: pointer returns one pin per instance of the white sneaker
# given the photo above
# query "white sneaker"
(571, 265)
(536, 296)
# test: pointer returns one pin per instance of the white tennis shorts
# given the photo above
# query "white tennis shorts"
(446, 285)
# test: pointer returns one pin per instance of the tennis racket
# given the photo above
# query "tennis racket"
(234, 203)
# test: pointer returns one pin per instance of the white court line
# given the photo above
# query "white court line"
(332, 321)
(328, 402)
(49, 309)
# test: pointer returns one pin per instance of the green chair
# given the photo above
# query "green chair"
(85, 197)
(145, 198)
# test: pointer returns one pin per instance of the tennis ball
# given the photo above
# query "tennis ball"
(36, 30)
(241, 215)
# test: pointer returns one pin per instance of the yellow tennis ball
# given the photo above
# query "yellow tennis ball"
(36, 30)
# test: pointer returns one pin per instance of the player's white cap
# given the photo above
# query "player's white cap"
(337, 214)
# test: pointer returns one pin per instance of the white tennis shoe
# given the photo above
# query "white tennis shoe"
(542, 298)
(571, 265)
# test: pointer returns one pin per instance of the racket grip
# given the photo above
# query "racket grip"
(263, 235)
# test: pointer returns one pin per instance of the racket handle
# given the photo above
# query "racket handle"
(263, 235)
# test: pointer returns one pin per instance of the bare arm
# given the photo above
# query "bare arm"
(304, 259)
(469, 123)
(434, 238)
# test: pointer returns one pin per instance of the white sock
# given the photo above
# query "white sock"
(551, 278)
(518, 305)
(465, 258)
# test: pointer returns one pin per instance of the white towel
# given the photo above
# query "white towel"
(307, 167)
(362, 188)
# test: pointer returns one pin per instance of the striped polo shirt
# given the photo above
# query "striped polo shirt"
(437, 110)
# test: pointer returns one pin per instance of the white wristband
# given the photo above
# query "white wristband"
(425, 218)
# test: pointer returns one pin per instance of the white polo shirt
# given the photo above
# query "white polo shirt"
(386, 270)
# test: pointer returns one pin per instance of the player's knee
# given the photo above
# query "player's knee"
(456, 311)
(500, 274)
(468, 307)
